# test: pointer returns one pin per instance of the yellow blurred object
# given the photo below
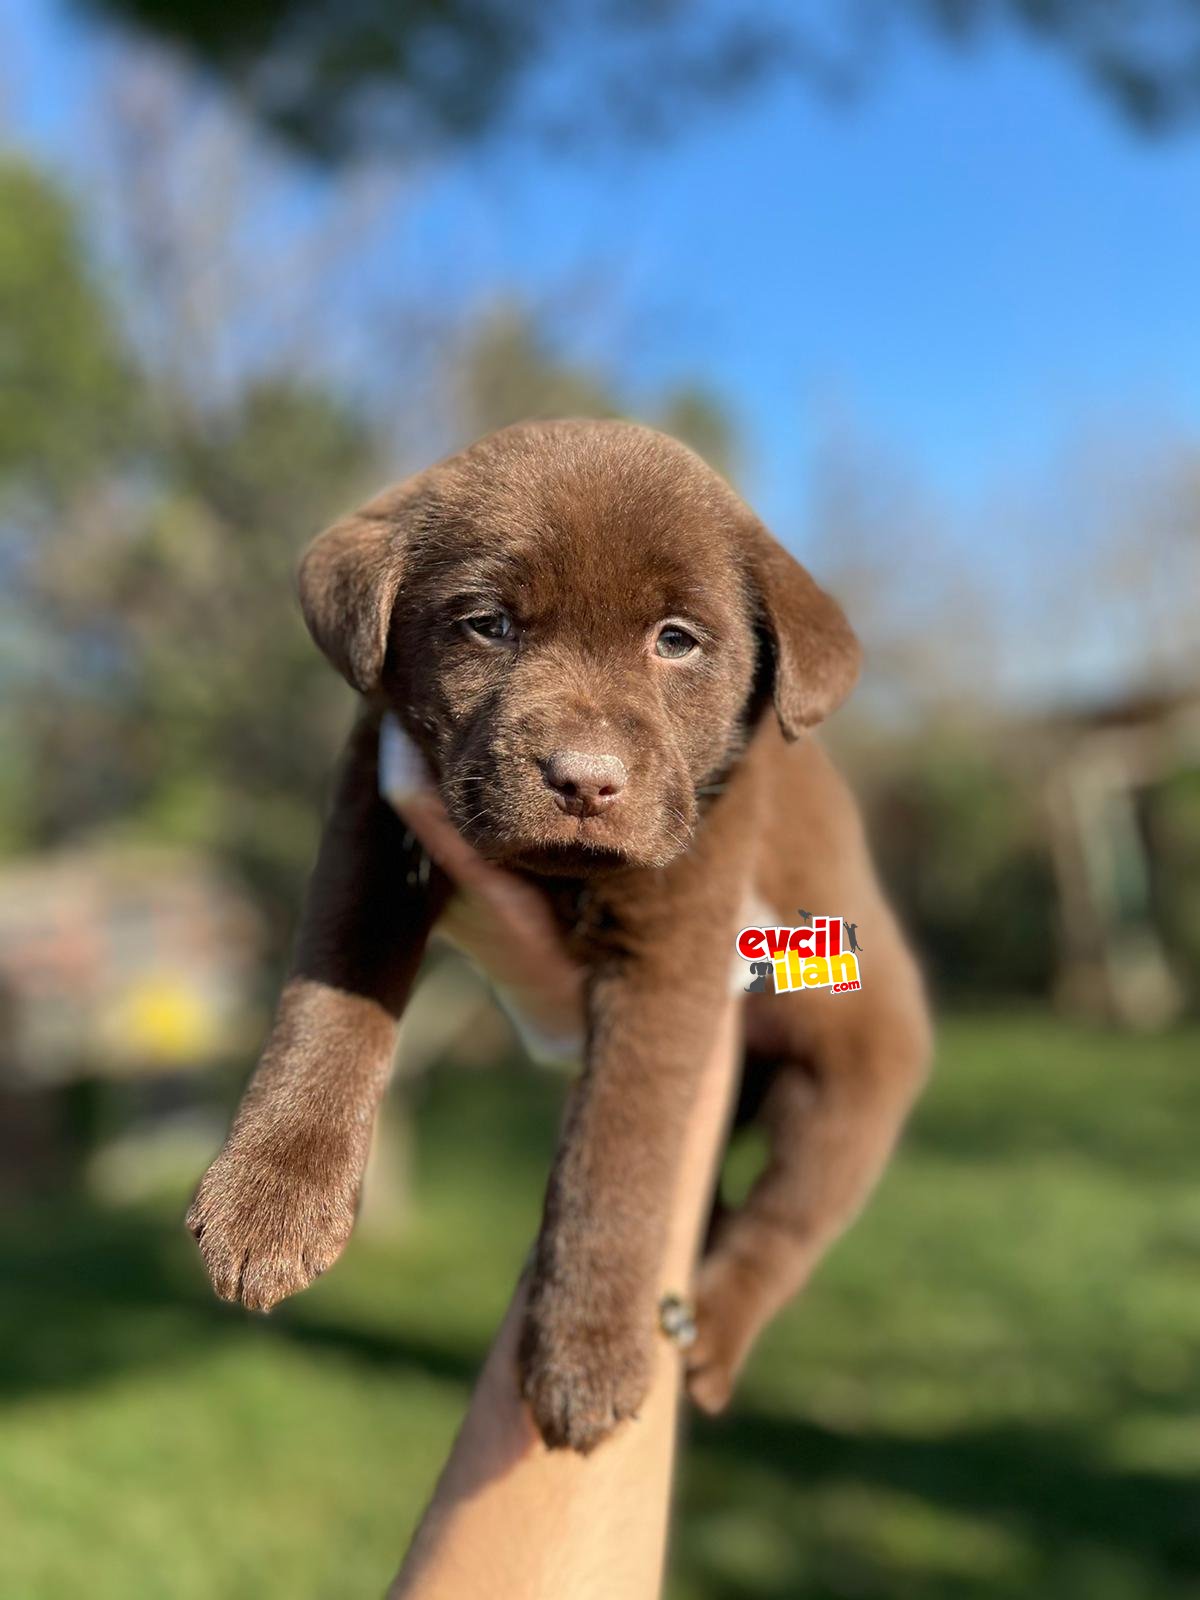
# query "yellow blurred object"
(120, 960)
(163, 1018)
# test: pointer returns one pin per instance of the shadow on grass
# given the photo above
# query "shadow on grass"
(90, 1293)
(1046, 1485)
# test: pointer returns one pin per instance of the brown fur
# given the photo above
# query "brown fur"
(590, 536)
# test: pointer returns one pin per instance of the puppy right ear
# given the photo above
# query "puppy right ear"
(349, 578)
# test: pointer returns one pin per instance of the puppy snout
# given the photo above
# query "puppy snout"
(584, 784)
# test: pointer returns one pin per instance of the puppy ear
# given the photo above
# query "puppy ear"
(348, 581)
(817, 656)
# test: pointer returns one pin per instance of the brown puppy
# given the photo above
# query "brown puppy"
(610, 667)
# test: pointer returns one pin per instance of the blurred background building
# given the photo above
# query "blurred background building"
(920, 275)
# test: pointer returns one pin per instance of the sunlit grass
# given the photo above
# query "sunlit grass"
(991, 1390)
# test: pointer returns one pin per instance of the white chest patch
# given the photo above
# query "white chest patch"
(754, 912)
(557, 1047)
(547, 1046)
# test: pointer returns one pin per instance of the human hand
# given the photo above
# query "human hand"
(495, 917)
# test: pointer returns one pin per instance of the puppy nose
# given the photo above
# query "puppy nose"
(583, 784)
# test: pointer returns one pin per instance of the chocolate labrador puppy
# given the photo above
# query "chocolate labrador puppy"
(611, 669)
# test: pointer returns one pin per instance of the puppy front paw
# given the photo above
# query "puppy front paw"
(581, 1377)
(726, 1298)
(269, 1217)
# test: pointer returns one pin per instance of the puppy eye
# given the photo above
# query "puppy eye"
(494, 626)
(673, 643)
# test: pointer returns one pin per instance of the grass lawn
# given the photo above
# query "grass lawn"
(992, 1390)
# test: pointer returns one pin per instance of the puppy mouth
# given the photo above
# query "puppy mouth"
(566, 860)
(571, 847)
(559, 845)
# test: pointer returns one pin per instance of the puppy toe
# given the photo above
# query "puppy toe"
(575, 1411)
(710, 1387)
(224, 1263)
(581, 1382)
(267, 1281)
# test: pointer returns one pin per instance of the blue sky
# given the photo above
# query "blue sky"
(974, 259)
(975, 262)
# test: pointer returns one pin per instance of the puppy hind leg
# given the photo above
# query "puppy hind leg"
(832, 1120)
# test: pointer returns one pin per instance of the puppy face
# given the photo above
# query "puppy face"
(569, 618)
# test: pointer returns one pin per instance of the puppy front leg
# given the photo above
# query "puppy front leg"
(277, 1205)
(591, 1310)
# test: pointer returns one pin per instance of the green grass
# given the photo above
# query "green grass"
(992, 1390)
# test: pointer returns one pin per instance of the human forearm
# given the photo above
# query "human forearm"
(510, 1518)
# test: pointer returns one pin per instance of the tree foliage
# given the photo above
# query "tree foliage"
(511, 370)
(391, 74)
(66, 389)
(158, 680)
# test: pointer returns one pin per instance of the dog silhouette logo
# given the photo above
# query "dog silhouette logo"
(761, 973)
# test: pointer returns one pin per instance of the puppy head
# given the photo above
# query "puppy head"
(572, 620)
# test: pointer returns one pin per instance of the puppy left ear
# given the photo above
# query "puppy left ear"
(349, 579)
(817, 656)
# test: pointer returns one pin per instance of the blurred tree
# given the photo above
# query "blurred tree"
(159, 680)
(156, 675)
(68, 405)
(695, 415)
(155, 666)
(66, 388)
(510, 370)
(883, 544)
(963, 847)
(187, 700)
(395, 73)
(1172, 816)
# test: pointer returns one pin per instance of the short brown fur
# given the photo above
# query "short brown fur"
(589, 536)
